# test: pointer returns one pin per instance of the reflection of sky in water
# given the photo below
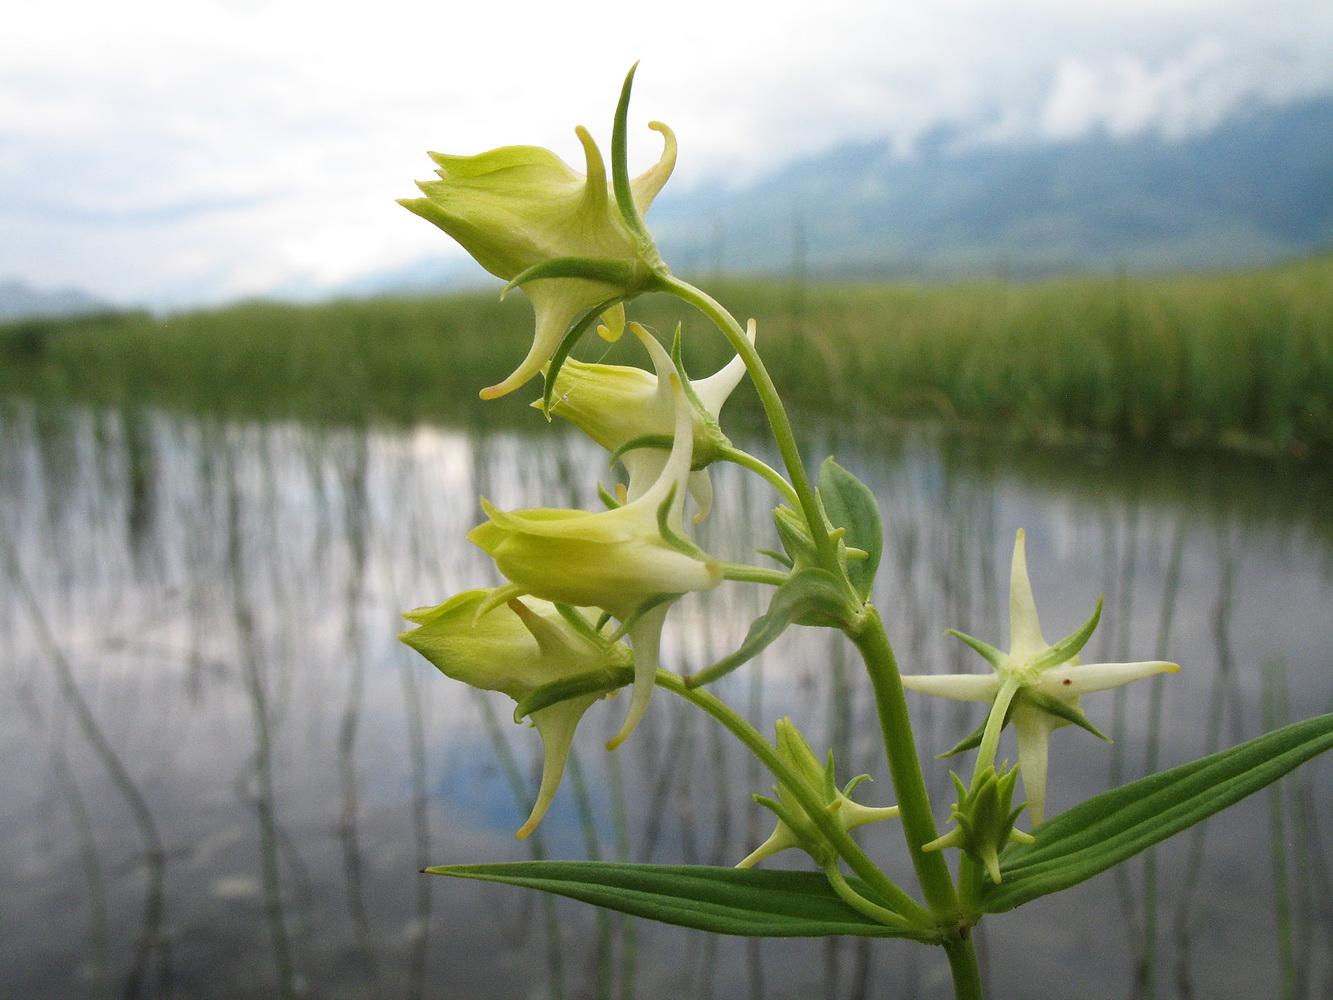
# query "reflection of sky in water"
(220, 676)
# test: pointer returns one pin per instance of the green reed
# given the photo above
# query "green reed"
(1241, 360)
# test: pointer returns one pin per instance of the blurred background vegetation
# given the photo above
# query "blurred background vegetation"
(1234, 360)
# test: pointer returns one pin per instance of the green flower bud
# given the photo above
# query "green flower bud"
(985, 816)
(795, 827)
(516, 649)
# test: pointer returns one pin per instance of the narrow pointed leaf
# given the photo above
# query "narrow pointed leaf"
(1109, 828)
(745, 902)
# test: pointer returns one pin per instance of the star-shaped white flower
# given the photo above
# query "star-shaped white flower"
(1040, 682)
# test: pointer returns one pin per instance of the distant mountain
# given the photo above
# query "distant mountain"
(430, 274)
(20, 301)
(1257, 188)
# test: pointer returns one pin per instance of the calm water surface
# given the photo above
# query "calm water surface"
(220, 774)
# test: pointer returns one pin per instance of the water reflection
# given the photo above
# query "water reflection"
(222, 774)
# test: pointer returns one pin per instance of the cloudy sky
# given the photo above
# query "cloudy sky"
(176, 152)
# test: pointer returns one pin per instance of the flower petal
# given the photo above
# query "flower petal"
(1025, 639)
(646, 637)
(959, 687)
(1033, 728)
(1070, 681)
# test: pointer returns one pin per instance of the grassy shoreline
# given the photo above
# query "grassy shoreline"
(1236, 360)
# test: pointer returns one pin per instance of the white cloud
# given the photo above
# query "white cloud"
(177, 150)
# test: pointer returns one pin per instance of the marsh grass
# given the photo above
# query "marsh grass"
(1235, 360)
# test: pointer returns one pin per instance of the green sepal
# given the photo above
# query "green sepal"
(808, 594)
(780, 811)
(580, 624)
(628, 622)
(744, 902)
(567, 345)
(850, 504)
(661, 441)
(610, 272)
(1068, 647)
(620, 181)
(776, 557)
(1059, 708)
(593, 682)
(973, 739)
(1111, 827)
(994, 656)
(669, 534)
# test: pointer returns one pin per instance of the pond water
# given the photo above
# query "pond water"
(220, 774)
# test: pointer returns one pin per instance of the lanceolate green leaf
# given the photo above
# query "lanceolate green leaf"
(1108, 828)
(849, 504)
(746, 902)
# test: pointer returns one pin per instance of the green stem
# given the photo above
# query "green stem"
(774, 477)
(858, 902)
(856, 859)
(773, 409)
(904, 764)
(963, 965)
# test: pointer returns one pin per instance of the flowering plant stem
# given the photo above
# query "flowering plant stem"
(768, 397)
(867, 633)
(579, 249)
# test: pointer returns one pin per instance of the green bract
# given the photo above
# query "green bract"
(528, 217)
(516, 649)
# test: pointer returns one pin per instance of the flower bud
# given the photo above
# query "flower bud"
(795, 827)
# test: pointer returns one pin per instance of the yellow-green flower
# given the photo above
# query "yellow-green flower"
(795, 827)
(1043, 681)
(630, 561)
(516, 648)
(518, 208)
